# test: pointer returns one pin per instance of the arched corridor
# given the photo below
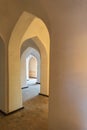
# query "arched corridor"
(25, 55)
(57, 29)
(42, 41)
(30, 85)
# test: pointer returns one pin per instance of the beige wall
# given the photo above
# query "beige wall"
(68, 81)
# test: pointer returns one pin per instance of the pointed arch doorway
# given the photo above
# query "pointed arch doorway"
(27, 27)
(32, 67)
(30, 71)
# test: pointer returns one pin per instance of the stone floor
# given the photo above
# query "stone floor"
(31, 81)
(30, 92)
(34, 116)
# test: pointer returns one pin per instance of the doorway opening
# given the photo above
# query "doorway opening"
(28, 27)
(30, 71)
(31, 66)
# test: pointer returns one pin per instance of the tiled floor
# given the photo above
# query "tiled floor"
(34, 116)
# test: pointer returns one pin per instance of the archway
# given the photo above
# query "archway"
(30, 87)
(32, 65)
(32, 69)
(29, 48)
(28, 26)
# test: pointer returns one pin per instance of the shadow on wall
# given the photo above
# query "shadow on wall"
(2, 73)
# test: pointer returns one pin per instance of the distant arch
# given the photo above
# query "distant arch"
(32, 67)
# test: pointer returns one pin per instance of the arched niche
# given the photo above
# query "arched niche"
(28, 26)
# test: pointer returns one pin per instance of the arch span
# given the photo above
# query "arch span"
(28, 26)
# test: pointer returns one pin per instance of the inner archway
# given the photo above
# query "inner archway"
(31, 69)
(28, 26)
(29, 48)
(29, 82)
(32, 65)
(30, 85)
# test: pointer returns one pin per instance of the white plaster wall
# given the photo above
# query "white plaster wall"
(68, 81)
(23, 71)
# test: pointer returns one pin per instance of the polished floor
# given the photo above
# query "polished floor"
(34, 116)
